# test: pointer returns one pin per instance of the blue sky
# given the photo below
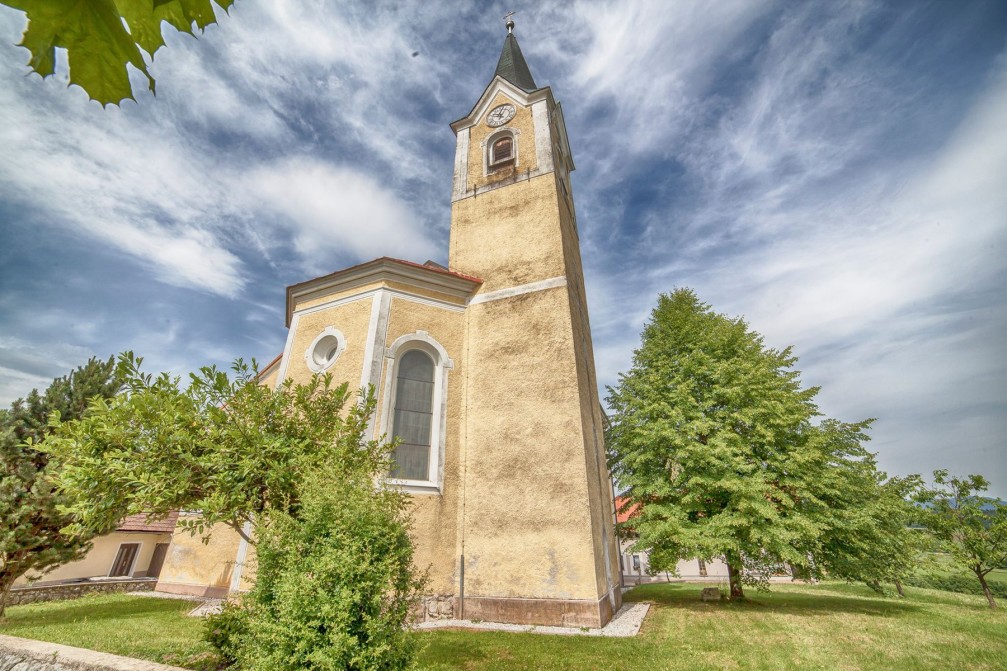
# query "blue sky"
(835, 172)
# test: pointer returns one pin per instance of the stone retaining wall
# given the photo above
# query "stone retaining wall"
(22, 595)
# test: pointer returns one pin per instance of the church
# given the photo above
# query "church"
(485, 372)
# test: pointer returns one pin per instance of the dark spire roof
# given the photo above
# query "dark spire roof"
(512, 65)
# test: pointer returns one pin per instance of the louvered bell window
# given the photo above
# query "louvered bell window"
(503, 149)
(414, 402)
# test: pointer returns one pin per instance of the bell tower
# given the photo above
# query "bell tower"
(536, 536)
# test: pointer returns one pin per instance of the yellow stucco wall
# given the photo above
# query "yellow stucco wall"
(98, 562)
(509, 236)
(352, 320)
(270, 379)
(191, 565)
(535, 472)
(524, 128)
(527, 519)
(434, 516)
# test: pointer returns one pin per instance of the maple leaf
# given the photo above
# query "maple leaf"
(103, 37)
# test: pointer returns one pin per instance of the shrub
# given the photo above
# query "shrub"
(956, 583)
(224, 631)
(335, 584)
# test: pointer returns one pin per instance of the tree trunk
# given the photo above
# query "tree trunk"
(8, 582)
(898, 586)
(986, 590)
(734, 576)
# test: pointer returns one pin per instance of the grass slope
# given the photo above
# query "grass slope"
(144, 627)
(827, 627)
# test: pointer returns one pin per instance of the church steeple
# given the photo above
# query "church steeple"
(512, 65)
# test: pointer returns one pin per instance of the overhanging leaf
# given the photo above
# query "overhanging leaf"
(99, 44)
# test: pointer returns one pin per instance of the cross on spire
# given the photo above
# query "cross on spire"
(509, 21)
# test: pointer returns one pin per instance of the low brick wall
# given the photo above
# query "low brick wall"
(22, 595)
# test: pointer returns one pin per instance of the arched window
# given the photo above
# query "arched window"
(414, 410)
(413, 421)
(503, 150)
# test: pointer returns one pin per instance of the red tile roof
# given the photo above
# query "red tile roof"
(265, 369)
(140, 523)
(625, 510)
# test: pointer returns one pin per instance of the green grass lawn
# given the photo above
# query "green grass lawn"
(828, 627)
(145, 627)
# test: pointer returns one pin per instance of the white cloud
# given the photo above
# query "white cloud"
(335, 210)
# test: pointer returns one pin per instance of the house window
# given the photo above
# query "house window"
(415, 410)
(702, 567)
(636, 563)
(503, 150)
(124, 559)
(414, 406)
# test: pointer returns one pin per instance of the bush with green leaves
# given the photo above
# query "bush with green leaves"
(335, 581)
(961, 584)
(225, 629)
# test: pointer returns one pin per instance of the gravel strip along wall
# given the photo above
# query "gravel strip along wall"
(22, 595)
(22, 654)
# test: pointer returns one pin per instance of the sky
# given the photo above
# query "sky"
(835, 173)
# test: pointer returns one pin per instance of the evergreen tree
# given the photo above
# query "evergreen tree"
(31, 536)
(712, 434)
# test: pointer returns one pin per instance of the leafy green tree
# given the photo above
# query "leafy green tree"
(972, 528)
(712, 434)
(31, 521)
(334, 577)
(870, 534)
(231, 448)
(102, 37)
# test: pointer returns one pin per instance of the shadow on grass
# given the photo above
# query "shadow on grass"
(687, 596)
(91, 609)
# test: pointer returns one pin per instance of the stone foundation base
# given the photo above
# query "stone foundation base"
(435, 607)
(72, 590)
(543, 612)
(546, 612)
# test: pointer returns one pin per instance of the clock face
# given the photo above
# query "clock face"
(500, 115)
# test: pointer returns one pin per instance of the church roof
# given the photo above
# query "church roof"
(512, 65)
(431, 277)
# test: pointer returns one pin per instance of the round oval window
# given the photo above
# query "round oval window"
(326, 350)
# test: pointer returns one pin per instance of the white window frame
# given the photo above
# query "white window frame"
(487, 149)
(420, 340)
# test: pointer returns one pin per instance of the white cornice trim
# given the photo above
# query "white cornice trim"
(500, 85)
(499, 294)
(382, 270)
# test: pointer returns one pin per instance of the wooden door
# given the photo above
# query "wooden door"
(157, 560)
(123, 564)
